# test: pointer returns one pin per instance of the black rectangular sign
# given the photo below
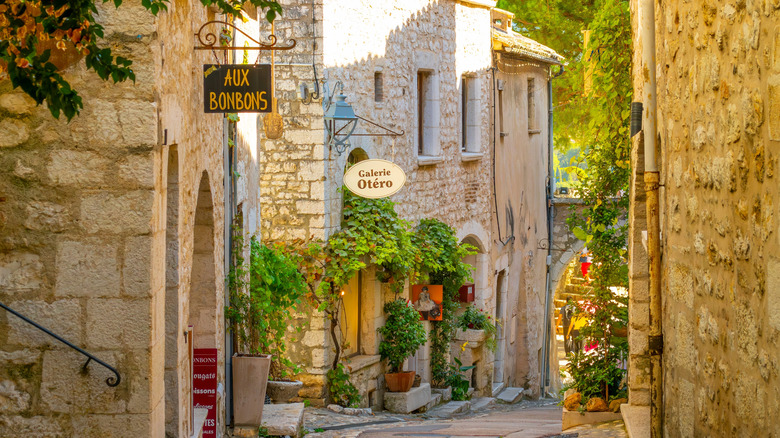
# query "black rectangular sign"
(237, 88)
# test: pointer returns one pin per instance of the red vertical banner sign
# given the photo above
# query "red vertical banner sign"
(204, 387)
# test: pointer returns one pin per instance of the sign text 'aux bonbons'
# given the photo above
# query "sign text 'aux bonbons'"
(237, 88)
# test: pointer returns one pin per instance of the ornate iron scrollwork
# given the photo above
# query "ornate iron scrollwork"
(544, 244)
(210, 40)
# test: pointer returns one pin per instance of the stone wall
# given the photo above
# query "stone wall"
(719, 106)
(88, 249)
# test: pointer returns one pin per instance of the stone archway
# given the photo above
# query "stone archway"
(204, 304)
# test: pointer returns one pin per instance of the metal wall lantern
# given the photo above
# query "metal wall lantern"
(340, 120)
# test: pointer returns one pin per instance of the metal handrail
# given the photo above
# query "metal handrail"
(110, 381)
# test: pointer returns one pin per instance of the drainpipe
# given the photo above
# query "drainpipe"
(545, 378)
(655, 339)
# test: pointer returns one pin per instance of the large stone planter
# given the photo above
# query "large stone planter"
(250, 375)
(406, 402)
(575, 418)
(281, 391)
(475, 338)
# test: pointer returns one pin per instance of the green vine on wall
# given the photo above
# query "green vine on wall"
(442, 261)
(604, 186)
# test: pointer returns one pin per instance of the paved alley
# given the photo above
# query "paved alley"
(529, 419)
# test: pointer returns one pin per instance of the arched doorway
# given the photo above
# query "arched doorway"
(501, 298)
(203, 283)
(355, 156)
(176, 367)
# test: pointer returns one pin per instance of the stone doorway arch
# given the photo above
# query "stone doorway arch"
(204, 304)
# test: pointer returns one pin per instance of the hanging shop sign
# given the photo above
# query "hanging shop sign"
(237, 88)
(374, 178)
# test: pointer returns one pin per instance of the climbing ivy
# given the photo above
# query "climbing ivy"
(603, 186)
(441, 260)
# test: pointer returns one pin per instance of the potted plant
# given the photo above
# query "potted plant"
(475, 319)
(262, 296)
(402, 335)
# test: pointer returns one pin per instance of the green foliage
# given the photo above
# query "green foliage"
(30, 30)
(460, 384)
(441, 261)
(342, 391)
(603, 188)
(262, 297)
(476, 319)
(402, 334)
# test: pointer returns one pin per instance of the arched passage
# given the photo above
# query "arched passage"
(203, 287)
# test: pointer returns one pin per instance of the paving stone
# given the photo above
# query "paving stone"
(480, 403)
(279, 420)
(510, 395)
(450, 409)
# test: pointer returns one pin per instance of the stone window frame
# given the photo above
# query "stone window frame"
(427, 67)
(379, 88)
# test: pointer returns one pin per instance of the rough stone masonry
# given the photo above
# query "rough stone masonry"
(718, 67)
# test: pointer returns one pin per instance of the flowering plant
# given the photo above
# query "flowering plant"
(476, 319)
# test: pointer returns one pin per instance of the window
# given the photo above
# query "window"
(469, 120)
(379, 87)
(531, 106)
(464, 113)
(422, 85)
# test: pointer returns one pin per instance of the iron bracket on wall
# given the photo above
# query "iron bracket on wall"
(389, 132)
(210, 41)
(544, 244)
(110, 381)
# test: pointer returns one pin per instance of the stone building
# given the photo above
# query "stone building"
(114, 226)
(718, 70)
(458, 67)
(112, 236)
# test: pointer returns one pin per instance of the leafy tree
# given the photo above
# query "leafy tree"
(31, 29)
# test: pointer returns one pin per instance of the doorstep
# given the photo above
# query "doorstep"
(284, 419)
(576, 418)
(637, 420)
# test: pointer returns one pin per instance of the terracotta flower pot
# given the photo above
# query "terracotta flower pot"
(250, 375)
(400, 382)
(281, 391)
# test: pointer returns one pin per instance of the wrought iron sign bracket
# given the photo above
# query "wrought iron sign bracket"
(389, 133)
(544, 244)
(210, 41)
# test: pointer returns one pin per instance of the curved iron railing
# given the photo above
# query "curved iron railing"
(110, 381)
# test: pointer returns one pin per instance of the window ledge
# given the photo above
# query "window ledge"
(534, 131)
(471, 156)
(355, 363)
(428, 160)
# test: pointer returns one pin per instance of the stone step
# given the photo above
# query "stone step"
(284, 419)
(497, 388)
(450, 409)
(510, 395)
(479, 403)
(435, 400)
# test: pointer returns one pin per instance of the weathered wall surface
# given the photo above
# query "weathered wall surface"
(719, 107)
(83, 250)
(521, 168)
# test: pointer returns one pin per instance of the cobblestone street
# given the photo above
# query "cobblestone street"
(529, 419)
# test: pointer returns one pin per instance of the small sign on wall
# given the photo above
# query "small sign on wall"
(237, 88)
(374, 179)
(427, 299)
(204, 387)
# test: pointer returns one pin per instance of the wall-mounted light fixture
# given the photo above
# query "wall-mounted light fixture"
(340, 120)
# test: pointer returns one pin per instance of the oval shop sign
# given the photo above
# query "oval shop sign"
(374, 178)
